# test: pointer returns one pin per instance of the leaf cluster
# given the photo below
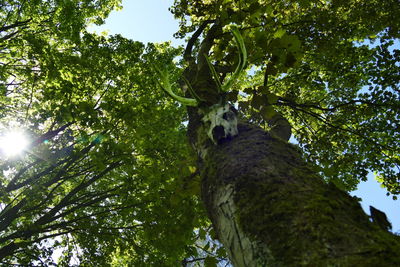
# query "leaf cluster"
(331, 68)
(103, 180)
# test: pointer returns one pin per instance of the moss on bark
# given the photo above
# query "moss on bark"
(283, 206)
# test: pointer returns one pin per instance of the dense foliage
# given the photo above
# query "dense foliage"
(107, 148)
(331, 67)
(109, 178)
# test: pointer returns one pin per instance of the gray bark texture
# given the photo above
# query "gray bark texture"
(269, 208)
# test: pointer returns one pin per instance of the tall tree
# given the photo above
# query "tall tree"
(101, 141)
(109, 178)
(320, 78)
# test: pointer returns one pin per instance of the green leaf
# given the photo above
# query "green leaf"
(210, 261)
(268, 112)
(207, 246)
(271, 98)
(258, 101)
(221, 252)
(202, 233)
(279, 33)
(244, 105)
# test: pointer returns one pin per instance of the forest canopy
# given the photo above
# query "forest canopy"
(108, 176)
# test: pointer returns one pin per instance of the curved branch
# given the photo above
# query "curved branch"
(187, 55)
(324, 120)
(15, 25)
(291, 103)
(206, 45)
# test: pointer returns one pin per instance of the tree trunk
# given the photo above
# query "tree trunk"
(269, 208)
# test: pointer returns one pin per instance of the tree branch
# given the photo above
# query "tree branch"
(206, 45)
(187, 55)
(45, 218)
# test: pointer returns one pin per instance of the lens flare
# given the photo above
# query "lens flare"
(13, 143)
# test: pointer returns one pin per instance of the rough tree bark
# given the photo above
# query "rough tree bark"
(269, 208)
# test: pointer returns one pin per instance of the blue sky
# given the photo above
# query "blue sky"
(150, 21)
(145, 21)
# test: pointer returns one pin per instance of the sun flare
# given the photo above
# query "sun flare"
(13, 143)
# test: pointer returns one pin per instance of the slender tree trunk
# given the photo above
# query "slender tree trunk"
(269, 208)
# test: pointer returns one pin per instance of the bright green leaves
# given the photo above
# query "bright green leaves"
(279, 33)
(112, 171)
(105, 87)
(341, 99)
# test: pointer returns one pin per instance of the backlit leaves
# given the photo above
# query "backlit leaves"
(98, 184)
(115, 184)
